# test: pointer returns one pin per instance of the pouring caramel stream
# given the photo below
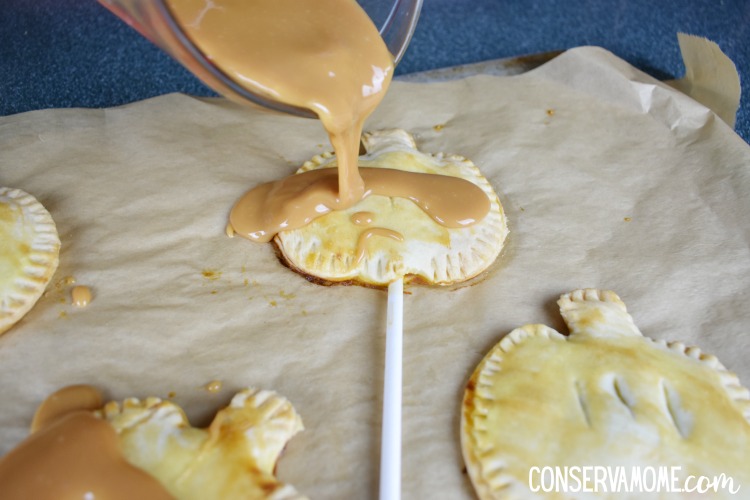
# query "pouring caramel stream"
(322, 55)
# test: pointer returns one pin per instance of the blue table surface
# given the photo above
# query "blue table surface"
(74, 53)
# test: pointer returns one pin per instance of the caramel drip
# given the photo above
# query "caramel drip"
(214, 386)
(362, 218)
(299, 199)
(80, 296)
(322, 55)
(369, 233)
(73, 454)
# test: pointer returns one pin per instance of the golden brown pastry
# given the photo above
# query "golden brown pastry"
(29, 253)
(603, 396)
(148, 450)
(234, 458)
(383, 238)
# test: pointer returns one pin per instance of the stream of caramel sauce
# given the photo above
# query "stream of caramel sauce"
(322, 55)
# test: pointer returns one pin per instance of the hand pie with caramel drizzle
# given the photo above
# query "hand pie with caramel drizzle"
(383, 238)
(605, 395)
(148, 449)
(29, 253)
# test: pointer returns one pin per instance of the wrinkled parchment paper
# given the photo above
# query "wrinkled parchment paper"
(711, 78)
(609, 179)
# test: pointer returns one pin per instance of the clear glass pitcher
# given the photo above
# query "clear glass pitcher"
(153, 20)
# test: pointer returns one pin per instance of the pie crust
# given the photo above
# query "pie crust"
(234, 458)
(603, 396)
(29, 254)
(327, 249)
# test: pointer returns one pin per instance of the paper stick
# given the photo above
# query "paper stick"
(390, 444)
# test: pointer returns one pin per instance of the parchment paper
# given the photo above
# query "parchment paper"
(609, 179)
(711, 78)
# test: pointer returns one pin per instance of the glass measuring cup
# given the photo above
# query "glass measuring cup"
(153, 20)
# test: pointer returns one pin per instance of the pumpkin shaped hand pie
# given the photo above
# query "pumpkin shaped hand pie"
(604, 395)
(383, 238)
(147, 449)
(234, 458)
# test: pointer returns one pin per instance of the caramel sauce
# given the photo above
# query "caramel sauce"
(325, 56)
(369, 233)
(211, 274)
(66, 400)
(73, 454)
(297, 200)
(214, 386)
(80, 296)
(362, 218)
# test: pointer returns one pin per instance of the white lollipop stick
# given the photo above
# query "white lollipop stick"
(390, 444)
